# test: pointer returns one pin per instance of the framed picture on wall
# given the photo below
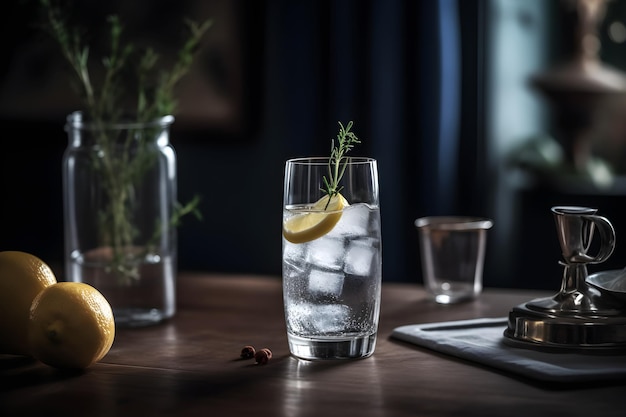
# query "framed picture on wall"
(217, 98)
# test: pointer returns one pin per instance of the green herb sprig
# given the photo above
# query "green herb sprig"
(105, 103)
(337, 162)
(155, 86)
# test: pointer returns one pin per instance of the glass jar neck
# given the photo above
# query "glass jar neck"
(84, 132)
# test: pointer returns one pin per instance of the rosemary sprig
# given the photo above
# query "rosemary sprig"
(337, 162)
(156, 87)
(105, 102)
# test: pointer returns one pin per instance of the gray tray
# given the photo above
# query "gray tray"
(482, 341)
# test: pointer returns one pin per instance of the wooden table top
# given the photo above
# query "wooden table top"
(190, 366)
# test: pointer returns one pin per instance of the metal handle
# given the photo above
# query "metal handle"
(575, 229)
(607, 240)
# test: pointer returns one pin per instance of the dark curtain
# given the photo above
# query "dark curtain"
(407, 74)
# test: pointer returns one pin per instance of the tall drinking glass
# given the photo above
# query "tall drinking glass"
(331, 259)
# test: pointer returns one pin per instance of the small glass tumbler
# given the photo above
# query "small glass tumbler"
(453, 251)
(332, 264)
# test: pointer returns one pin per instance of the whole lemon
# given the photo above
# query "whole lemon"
(71, 326)
(22, 277)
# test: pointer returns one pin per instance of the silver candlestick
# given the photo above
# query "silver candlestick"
(580, 316)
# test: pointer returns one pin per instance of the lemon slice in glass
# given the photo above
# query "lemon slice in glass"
(316, 222)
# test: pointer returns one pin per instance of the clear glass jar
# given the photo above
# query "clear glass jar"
(119, 184)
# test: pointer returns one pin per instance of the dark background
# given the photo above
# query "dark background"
(284, 73)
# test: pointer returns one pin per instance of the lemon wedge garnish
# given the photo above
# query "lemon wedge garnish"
(315, 223)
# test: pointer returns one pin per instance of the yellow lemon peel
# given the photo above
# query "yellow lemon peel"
(71, 326)
(22, 277)
(315, 223)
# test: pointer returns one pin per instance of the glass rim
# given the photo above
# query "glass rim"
(323, 160)
(574, 210)
(453, 222)
(75, 120)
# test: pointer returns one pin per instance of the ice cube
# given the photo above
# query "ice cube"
(299, 318)
(330, 318)
(326, 253)
(325, 282)
(307, 319)
(354, 222)
(359, 257)
(294, 252)
(294, 256)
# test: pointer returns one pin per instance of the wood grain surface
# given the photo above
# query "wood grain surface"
(190, 366)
